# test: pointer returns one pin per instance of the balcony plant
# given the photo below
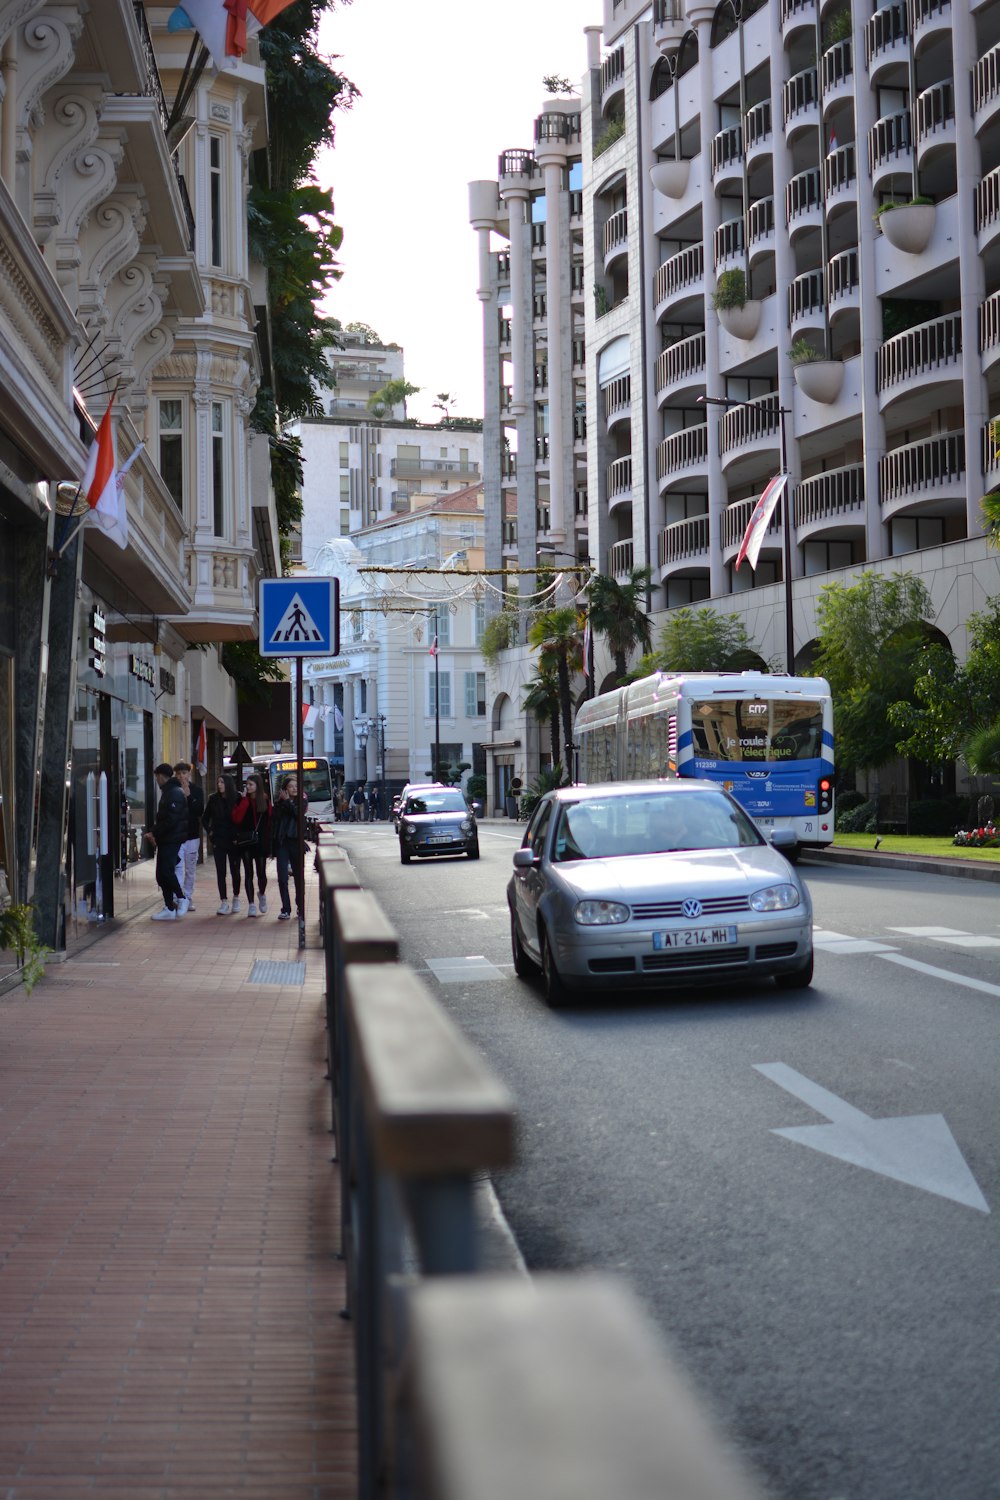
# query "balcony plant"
(908, 226)
(816, 375)
(612, 132)
(738, 312)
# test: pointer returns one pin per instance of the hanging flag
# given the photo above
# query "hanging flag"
(310, 714)
(102, 483)
(338, 719)
(201, 750)
(760, 519)
(833, 139)
(225, 25)
(588, 642)
(434, 647)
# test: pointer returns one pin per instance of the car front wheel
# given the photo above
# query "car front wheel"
(473, 850)
(404, 855)
(555, 991)
(524, 967)
(798, 979)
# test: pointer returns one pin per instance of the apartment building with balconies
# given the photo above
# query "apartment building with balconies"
(125, 277)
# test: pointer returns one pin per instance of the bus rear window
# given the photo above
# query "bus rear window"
(752, 729)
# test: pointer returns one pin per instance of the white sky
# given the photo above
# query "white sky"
(445, 87)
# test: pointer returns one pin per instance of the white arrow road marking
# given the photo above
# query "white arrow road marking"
(916, 1149)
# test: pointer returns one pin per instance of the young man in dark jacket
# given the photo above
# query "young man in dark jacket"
(191, 847)
(168, 833)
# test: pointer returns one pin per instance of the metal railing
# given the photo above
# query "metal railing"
(621, 559)
(840, 169)
(557, 127)
(727, 242)
(579, 428)
(612, 69)
(687, 266)
(682, 450)
(736, 519)
(683, 539)
(924, 10)
(618, 477)
(750, 421)
(516, 164)
(843, 273)
(760, 220)
(920, 466)
(758, 123)
(934, 108)
(986, 78)
(888, 138)
(680, 361)
(799, 93)
(886, 27)
(538, 236)
(806, 293)
(415, 468)
(837, 64)
(838, 492)
(991, 446)
(727, 148)
(988, 199)
(989, 323)
(919, 350)
(804, 191)
(617, 395)
(616, 231)
(789, 8)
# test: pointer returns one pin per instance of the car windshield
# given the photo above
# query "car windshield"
(651, 823)
(436, 801)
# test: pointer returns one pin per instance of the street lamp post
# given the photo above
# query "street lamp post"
(786, 525)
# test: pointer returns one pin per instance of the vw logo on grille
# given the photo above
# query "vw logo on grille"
(691, 907)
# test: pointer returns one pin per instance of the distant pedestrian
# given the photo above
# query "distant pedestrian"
(358, 803)
(168, 832)
(191, 847)
(252, 840)
(218, 822)
(285, 841)
(373, 804)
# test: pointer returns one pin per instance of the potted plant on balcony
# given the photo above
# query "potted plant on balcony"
(816, 376)
(908, 226)
(738, 313)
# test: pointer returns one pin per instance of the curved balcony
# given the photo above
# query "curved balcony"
(929, 18)
(612, 76)
(837, 69)
(840, 176)
(927, 475)
(844, 282)
(832, 503)
(682, 452)
(539, 308)
(508, 464)
(988, 209)
(758, 128)
(797, 14)
(681, 365)
(503, 332)
(736, 519)
(889, 147)
(926, 355)
(806, 299)
(618, 478)
(503, 267)
(986, 89)
(621, 560)
(803, 201)
(753, 425)
(934, 117)
(727, 243)
(682, 273)
(886, 44)
(800, 100)
(541, 448)
(989, 330)
(515, 169)
(543, 519)
(579, 429)
(760, 227)
(615, 236)
(617, 396)
(727, 155)
(682, 542)
(990, 455)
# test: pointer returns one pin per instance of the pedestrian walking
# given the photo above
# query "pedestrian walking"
(167, 834)
(373, 804)
(191, 847)
(218, 822)
(285, 842)
(358, 803)
(251, 839)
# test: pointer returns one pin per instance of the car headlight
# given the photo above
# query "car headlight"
(466, 825)
(409, 829)
(600, 913)
(775, 898)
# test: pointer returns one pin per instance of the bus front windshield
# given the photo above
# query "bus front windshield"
(755, 729)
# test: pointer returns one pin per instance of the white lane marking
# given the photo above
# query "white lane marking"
(852, 945)
(919, 1150)
(946, 974)
(463, 970)
(930, 931)
(957, 936)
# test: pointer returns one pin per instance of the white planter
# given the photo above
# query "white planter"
(741, 322)
(909, 227)
(820, 379)
(670, 178)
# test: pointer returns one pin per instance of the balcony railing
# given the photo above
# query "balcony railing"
(541, 373)
(930, 346)
(415, 468)
(886, 27)
(921, 466)
(838, 492)
(543, 517)
(621, 559)
(508, 464)
(510, 532)
(728, 240)
(758, 123)
(619, 477)
(799, 93)
(538, 236)
(682, 450)
(760, 220)
(557, 127)
(539, 307)
(789, 8)
(612, 69)
(888, 138)
(727, 148)
(503, 265)
(615, 231)
(991, 447)
(837, 64)
(575, 203)
(503, 329)
(843, 269)
(516, 164)
(749, 422)
(681, 539)
(986, 79)
(988, 199)
(580, 502)
(579, 351)
(541, 447)
(579, 428)
(617, 395)
(924, 10)
(681, 361)
(935, 108)
(840, 169)
(805, 295)
(989, 323)
(802, 193)
(687, 266)
(736, 519)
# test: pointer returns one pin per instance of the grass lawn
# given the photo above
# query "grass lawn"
(901, 843)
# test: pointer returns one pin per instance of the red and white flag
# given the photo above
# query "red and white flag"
(201, 751)
(433, 648)
(310, 714)
(225, 25)
(760, 519)
(102, 482)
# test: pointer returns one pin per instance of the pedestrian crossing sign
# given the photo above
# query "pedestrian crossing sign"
(299, 616)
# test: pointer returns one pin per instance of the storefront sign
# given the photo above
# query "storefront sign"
(97, 643)
(167, 683)
(140, 669)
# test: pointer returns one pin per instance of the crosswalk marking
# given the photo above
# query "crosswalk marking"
(954, 935)
(840, 942)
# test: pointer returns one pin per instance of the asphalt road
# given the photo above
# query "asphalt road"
(832, 1293)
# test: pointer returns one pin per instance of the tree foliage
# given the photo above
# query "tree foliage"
(956, 709)
(618, 612)
(557, 636)
(701, 640)
(872, 636)
(499, 633)
(393, 393)
(542, 700)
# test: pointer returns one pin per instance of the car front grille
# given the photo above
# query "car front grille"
(711, 906)
(697, 958)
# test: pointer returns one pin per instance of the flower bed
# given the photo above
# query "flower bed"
(987, 837)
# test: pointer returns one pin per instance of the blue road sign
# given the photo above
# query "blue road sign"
(299, 616)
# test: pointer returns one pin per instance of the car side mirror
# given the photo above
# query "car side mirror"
(525, 859)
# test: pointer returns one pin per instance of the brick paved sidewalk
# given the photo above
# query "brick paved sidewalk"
(169, 1291)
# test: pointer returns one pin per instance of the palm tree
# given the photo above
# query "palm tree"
(542, 700)
(557, 635)
(618, 612)
(991, 513)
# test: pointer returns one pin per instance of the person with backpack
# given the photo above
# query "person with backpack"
(252, 840)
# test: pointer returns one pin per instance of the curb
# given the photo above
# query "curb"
(924, 864)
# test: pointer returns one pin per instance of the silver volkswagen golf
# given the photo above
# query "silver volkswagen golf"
(641, 884)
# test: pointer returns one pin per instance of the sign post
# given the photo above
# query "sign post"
(300, 617)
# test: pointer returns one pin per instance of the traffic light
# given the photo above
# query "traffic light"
(825, 799)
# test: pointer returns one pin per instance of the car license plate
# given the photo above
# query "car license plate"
(439, 838)
(694, 937)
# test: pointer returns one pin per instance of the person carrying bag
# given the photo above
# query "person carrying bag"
(251, 840)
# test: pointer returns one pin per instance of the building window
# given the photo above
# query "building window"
(215, 213)
(171, 455)
(439, 682)
(480, 624)
(345, 523)
(475, 695)
(345, 455)
(441, 625)
(218, 470)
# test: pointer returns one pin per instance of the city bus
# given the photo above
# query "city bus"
(767, 739)
(316, 774)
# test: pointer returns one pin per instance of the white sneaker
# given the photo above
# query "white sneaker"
(235, 906)
(262, 905)
(163, 915)
(183, 906)
(223, 909)
(190, 904)
(251, 910)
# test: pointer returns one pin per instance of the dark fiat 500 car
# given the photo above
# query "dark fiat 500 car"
(642, 884)
(437, 820)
